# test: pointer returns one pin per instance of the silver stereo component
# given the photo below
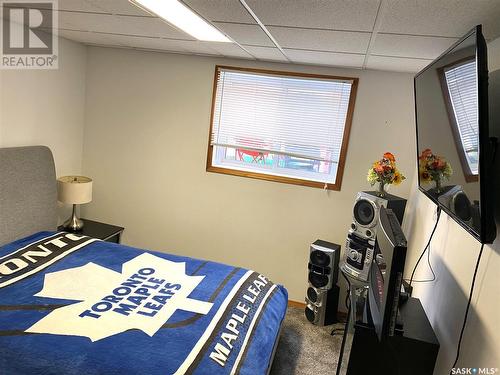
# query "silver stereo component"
(360, 243)
(322, 293)
(321, 305)
(323, 264)
(358, 257)
(365, 214)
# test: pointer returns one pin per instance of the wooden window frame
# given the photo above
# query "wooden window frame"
(287, 180)
(468, 175)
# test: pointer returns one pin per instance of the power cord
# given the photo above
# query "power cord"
(347, 301)
(430, 267)
(425, 249)
(467, 308)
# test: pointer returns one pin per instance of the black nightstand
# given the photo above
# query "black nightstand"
(102, 231)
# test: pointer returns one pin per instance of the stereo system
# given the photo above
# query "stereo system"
(323, 293)
(360, 243)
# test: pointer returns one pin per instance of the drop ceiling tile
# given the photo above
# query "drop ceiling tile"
(229, 50)
(220, 10)
(128, 25)
(441, 18)
(168, 45)
(151, 27)
(322, 40)
(148, 43)
(396, 64)
(123, 7)
(197, 47)
(325, 58)
(423, 47)
(118, 7)
(245, 34)
(356, 15)
(77, 6)
(80, 6)
(88, 37)
(266, 53)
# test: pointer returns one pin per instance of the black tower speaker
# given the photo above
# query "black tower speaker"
(322, 297)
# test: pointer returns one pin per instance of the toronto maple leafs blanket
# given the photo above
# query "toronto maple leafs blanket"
(71, 304)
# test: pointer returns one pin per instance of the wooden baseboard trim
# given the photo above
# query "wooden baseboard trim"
(300, 305)
(341, 315)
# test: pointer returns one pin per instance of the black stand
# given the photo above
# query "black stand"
(414, 352)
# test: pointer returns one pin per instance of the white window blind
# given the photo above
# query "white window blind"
(461, 81)
(284, 115)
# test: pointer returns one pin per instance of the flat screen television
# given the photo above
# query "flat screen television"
(386, 274)
(454, 148)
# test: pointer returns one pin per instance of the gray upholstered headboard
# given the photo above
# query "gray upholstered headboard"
(28, 192)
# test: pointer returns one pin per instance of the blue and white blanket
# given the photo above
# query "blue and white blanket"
(71, 304)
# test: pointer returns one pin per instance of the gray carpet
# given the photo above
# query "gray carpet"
(304, 348)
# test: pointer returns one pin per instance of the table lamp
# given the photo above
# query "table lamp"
(74, 190)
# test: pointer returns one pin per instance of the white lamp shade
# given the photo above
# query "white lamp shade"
(74, 189)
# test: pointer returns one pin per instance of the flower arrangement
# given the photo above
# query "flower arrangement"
(432, 167)
(385, 172)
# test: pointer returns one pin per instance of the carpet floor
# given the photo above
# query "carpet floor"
(304, 348)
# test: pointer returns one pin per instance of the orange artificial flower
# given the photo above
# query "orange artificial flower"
(385, 171)
(426, 153)
(389, 156)
(433, 167)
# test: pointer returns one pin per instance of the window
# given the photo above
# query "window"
(280, 126)
(459, 83)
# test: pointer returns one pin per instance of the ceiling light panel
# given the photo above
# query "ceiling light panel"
(179, 15)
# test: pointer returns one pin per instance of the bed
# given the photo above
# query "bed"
(71, 304)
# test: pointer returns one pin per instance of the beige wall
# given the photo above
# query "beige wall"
(494, 55)
(46, 107)
(453, 257)
(146, 135)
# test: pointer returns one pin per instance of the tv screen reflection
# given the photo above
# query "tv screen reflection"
(448, 132)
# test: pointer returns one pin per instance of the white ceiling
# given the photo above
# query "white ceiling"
(395, 35)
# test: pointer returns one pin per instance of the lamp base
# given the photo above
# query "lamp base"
(73, 224)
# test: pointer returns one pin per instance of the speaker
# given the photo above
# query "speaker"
(360, 241)
(366, 208)
(323, 292)
(323, 264)
(458, 203)
(322, 305)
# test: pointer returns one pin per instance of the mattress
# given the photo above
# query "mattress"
(71, 304)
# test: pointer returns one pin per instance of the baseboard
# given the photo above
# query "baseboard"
(341, 315)
(300, 305)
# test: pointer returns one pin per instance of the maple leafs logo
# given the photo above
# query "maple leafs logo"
(144, 296)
